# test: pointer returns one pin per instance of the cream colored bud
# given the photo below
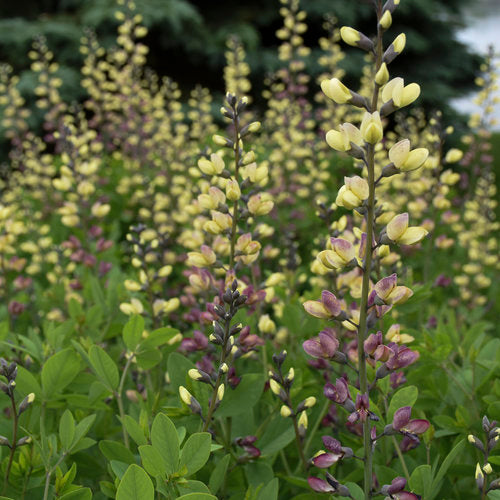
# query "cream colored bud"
(350, 35)
(386, 20)
(275, 387)
(195, 374)
(220, 392)
(185, 395)
(382, 75)
(285, 411)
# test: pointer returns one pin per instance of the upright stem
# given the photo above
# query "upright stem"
(218, 381)
(235, 206)
(13, 442)
(367, 268)
(118, 396)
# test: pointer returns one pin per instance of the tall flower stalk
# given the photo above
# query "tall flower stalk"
(359, 193)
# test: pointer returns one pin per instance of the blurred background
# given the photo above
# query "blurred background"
(187, 40)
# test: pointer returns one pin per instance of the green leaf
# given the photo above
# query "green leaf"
(244, 397)
(356, 492)
(67, 430)
(195, 452)
(192, 486)
(79, 494)
(82, 428)
(135, 485)
(152, 460)
(421, 479)
(177, 367)
(278, 435)
(218, 474)
(132, 332)
(59, 371)
(104, 367)
(197, 496)
(113, 450)
(134, 430)
(159, 337)
(404, 397)
(270, 490)
(165, 439)
(436, 483)
(26, 383)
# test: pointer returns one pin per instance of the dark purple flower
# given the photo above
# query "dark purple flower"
(403, 356)
(395, 490)
(402, 423)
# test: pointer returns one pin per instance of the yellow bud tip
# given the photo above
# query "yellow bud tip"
(350, 35)
(194, 374)
(471, 439)
(185, 395)
(31, 397)
(285, 411)
(487, 468)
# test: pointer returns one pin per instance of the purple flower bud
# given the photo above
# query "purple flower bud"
(326, 460)
(325, 345)
(320, 485)
(372, 342)
(338, 393)
(401, 417)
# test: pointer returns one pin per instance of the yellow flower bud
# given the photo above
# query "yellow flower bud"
(399, 43)
(371, 127)
(303, 420)
(352, 193)
(407, 160)
(350, 35)
(266, 324)
(254, 127)
(386, 20)
(285, 411)
(185, 395)
(100, 209)
(401, 96)
(195, 374)
(487, 468)
(453, 156)
(233, 191)
(382, 75)
(220, 392)
(336, 91)
(275, 387)
(399, 232)
(310, 402)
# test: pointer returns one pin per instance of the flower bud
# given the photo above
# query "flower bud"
(285, 411)
(382, 75)
(220, 392)
(185, 395)
(371, 127)
(26, 403)
(336, 91)
(355, 38)
(386, 20)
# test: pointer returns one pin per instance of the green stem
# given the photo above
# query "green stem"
(49, 474)
(13, 443)
(401, 458)
(367, 269)
(118, 396)
(218, 381)
(235, 206)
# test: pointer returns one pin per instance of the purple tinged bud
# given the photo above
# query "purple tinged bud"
(338, 393)
(332, 444)
(331, 303)
(320, 485)
(372, 342)
(401, 417)
(326, 460)
(417, 426)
